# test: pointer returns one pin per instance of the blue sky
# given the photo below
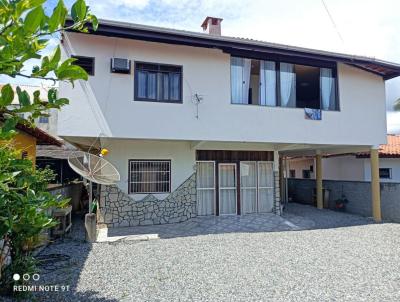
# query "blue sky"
(368, 27)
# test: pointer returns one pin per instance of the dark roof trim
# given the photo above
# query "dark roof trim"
(387, 70)
(42, 137)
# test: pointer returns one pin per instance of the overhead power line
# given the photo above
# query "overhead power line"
(332, 21)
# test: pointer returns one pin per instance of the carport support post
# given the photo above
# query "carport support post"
(375, 186)
(318, 176)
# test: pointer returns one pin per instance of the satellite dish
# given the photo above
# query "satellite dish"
(93, 168)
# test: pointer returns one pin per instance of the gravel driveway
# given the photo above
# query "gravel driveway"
(357, 262)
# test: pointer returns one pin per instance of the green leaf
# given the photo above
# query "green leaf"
(23, 97)
(52, 95)
(9, 124)
(72, 72)
(7, 95)
(78, 10)
(58, 17)
(33, 19)
(95, 22)
(62, 102)
(55, 57)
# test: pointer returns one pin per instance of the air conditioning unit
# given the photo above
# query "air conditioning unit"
(119, 65)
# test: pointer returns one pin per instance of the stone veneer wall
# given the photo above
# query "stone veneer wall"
(117, 208)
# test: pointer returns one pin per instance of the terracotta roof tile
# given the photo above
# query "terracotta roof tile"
(392, 148)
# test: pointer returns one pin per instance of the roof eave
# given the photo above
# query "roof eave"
(227, 44)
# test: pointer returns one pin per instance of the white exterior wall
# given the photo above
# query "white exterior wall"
(180, 153)
(182, 156)
(343, 168)
(298, 165)
(361, 121)
(393, 163)
(333, 168)
(347, 168)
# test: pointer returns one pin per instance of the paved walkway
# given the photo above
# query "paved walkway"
(296, 217)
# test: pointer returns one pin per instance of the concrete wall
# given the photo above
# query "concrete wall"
(357, 192)
(207, 72)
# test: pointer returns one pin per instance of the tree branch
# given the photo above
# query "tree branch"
(35, 77)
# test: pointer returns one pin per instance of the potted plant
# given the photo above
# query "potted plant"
(340, 204)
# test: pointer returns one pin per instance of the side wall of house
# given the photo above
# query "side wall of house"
(26, 143)
(343, 168)
(207, 72)
(391, 163)
(333, 168)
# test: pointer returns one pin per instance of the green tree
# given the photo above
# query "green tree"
(25, 32)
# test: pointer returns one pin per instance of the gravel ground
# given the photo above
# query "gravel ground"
(352, 263)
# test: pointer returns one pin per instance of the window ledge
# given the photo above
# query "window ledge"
(156, 101)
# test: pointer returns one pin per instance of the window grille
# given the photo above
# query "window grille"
(149, 176)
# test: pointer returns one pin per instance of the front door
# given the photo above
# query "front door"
(248, 186)
(227, 189)
(265, 187)
(205, 188)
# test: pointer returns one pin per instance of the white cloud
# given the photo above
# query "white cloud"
(393, 120)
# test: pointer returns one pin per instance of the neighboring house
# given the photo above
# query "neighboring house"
(197, 123)
(53, 155)
(352, 167)
(28, 139)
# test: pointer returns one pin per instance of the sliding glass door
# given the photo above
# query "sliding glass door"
(265, 187)
(256, 187)
(227, 189)
(205, 188)
(248, 187)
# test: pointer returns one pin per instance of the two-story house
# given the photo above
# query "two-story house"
(198, 123)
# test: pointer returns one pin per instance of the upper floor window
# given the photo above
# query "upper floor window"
(158, 82)
(87, 63)
(270, 83)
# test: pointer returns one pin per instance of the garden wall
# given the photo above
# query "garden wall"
(357, 192)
